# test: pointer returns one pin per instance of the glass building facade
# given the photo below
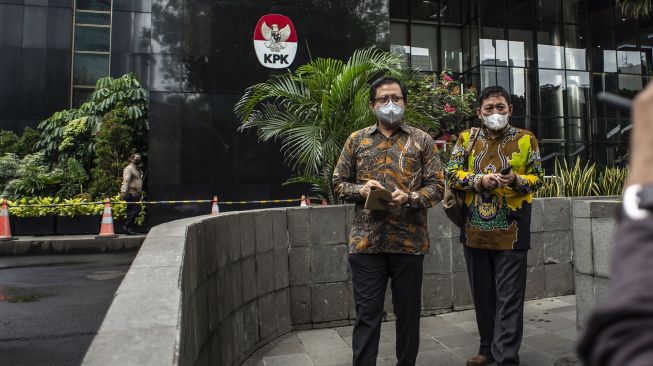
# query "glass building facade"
(196, 58)
(553, 56)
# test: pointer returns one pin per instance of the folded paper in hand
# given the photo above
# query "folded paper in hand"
(378, 199)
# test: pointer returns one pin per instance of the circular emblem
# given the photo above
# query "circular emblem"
(275, 41)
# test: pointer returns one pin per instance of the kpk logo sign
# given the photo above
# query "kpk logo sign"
(275, 41)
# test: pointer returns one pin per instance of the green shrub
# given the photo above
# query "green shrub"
(611, 181)
(8, 142)
(114, 146)
(8, 168)
(74, 178)
(33, 178)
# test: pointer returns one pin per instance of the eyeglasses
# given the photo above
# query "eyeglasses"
(384, 99)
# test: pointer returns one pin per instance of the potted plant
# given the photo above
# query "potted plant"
(29, 220)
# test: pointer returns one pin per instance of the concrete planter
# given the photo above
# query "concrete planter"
(33, 226)
(78, 225)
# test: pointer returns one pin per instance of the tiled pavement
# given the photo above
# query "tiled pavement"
(447, 339)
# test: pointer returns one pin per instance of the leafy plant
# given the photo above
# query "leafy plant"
(637, 8)
(577, 180)
(611, 181)
(8, 142)
(77, 141)
(33, 178)
(113, 149)
(8, 168)
(312, 111)
(27, 143)
(436, 103)
(74, 178)
(551, 187)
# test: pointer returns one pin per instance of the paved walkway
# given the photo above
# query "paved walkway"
(447, 339)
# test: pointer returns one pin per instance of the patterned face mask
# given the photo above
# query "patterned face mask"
(496, 122)
(391, 115)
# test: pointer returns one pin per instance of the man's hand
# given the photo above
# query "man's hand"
(506, 180)
(490, 181)
(365, 190)
(399, 198)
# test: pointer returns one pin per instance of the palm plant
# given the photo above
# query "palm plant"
(636, 8)
(312, 111)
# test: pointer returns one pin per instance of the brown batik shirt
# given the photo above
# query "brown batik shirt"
(408, 161)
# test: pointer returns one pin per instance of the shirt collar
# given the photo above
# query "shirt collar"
(374, 128)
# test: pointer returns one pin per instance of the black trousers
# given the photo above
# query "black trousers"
(132, 210)
(370, 274)
(498, 282)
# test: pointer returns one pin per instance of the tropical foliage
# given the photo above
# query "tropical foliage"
(438, 104)
(636, 8)
(312, 111)
(579, 180)
(77, 154)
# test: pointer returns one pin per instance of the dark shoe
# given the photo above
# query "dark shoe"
(131, 232)
(480, 360)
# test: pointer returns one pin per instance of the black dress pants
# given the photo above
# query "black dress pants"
(498, 282)
(370, 274)
(132, 210)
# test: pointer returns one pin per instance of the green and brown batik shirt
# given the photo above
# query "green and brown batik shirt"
(498, 219)
(408, 160)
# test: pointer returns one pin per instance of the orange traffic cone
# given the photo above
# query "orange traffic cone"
(303, 201)
(324, 202)
(106, 228)
(214, 207)
(5, 228)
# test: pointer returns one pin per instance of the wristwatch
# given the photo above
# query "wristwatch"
(638, 201)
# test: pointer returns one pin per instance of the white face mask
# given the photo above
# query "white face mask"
(496, 122)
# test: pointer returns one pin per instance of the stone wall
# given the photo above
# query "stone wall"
(211, 290)
(594, 223)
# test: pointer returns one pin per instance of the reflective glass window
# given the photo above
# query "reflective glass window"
(552, 129)
(549, 10)
(574, 11)
(608, 83)
(646, 43)
(576, 130)
(629, 85)
(552, 84)
(83, 17)
(494, 47)
(428, 10)
(424, 50)
(450, 11)
(95, 39)
(88, 68)
(578, 94)
(629, 62)
(452, 48)
(399, 40)
(520, 47)
(575, 48)
(549, 46)
(100, 5)
(522, 85)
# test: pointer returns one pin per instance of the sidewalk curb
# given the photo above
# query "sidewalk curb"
(69, 244)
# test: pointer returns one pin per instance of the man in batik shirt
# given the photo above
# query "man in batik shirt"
(496, 227)
(391, 243)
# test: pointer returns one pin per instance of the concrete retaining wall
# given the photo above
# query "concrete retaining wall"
(594, 223)
(211, 290)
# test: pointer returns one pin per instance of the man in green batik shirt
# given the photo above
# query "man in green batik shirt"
(496, 225)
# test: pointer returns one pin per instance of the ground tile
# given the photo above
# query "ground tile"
(438, 358)
(288, 360)
(457, 340)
